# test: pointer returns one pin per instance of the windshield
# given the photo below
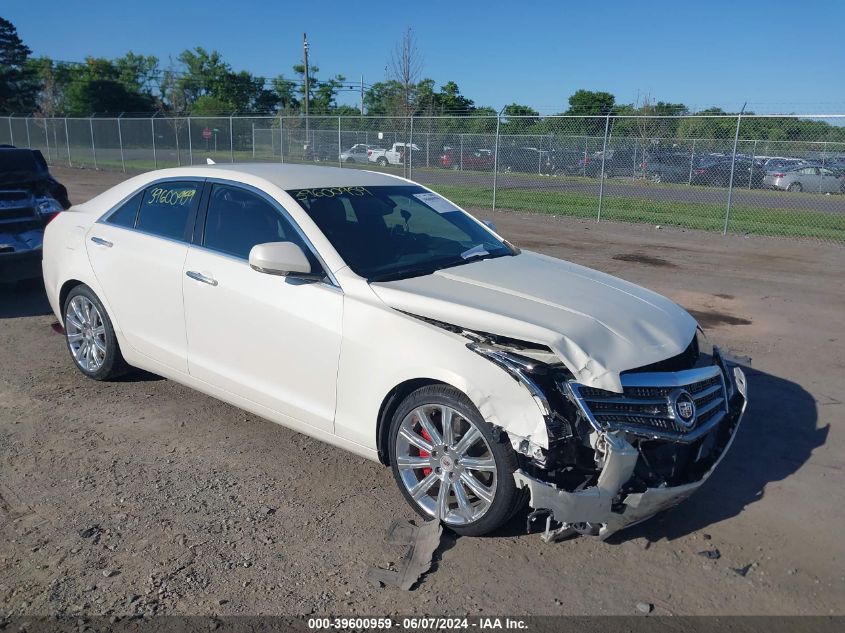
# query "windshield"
(396, 232)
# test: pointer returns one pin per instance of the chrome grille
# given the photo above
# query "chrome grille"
(647, 405)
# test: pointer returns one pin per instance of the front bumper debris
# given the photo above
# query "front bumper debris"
(604, 508)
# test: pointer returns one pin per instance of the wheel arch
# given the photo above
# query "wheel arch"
(64, 291)
(388, 407)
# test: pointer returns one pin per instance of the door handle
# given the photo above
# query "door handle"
(101, 242)
(200, 277)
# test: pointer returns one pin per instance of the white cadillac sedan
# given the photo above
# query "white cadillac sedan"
(371, 313)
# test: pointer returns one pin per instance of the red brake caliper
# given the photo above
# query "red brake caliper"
(426, 470)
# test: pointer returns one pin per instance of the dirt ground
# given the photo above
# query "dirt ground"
(142, 496)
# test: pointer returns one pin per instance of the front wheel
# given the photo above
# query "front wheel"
(90, 336)
(795, 187)
(448, 463)
(382, 162)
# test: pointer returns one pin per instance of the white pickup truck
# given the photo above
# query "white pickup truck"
(395, 155)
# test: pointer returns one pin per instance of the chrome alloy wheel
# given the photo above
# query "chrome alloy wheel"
(86, 333)
(446, 464)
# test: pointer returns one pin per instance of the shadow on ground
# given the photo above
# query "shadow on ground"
(777, 436)
(23, 299)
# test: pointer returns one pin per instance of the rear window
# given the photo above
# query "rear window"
(166, 208)
(125, 214)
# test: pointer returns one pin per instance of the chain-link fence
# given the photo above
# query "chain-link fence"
(771, 175)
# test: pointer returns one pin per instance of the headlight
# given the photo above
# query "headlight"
(518, 366)
(48, 204)
(739, 379)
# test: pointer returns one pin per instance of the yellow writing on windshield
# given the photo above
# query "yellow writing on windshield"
(331, 192)
(173, 197)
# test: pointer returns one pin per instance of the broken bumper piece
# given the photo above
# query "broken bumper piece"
(605, 508)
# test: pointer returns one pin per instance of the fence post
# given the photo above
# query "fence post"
(231, 142)
(176, 136)
(153, 134)
(281, 139)
(540, 158)
(461, 150)
(409, 151)
(601, 174)
(733, 165)
(93, 146)
(753, 154)
(253, 139)
(47, 139)
(67, 144)
(339, 150)
(120, 141)
(496, 157)
(584, 164)
(691, 160)
(28, 141)
(11, 132)
(190, 142)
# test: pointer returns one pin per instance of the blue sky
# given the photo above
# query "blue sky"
(779, 56)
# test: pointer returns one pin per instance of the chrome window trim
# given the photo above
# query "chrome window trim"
(103, 219)
(285, 214)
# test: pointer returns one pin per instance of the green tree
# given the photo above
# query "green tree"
(519, 119)
(207, 75)
(97, 86)
(590, 103)
(18, 84)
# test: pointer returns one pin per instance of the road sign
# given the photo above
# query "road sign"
(206, 133)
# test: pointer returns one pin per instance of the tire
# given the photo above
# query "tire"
(476, 501)
(90, 337)
(795, 187)
(350, 160)
(382, 162)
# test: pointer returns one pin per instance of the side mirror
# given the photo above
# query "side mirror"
(489, 225)
(280, 258)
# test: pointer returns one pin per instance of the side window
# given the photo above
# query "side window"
(166, 208)
(125, 214)
(238, 219)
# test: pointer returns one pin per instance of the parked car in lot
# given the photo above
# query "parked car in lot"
(780, 164)
(29, 198)
(527, 160)
(666, 166)
(717, 173)
(321, 153)
(371, 313)
(396, 155)
(358, 153)
(473, 159)
(806, 178)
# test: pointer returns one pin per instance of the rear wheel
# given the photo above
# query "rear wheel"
(795, 187)
(90, 336)
(449, 465)
(382, 162)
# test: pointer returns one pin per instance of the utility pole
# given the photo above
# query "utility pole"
(362, 95)
(305, 54)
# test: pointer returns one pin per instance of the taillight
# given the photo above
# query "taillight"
(779, 174)
(369, 152)
(699, 171)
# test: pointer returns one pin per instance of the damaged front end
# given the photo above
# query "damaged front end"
(615, 459)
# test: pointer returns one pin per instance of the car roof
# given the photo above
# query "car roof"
(285, 176)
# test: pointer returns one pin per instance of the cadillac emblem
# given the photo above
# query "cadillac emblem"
(684, 407)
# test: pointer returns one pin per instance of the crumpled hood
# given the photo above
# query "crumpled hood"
(597, 324)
